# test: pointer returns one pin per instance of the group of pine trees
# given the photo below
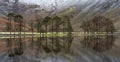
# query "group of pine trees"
(48, 24)
(15, 46)
(99, 25)
(60, 24)
(54, 24)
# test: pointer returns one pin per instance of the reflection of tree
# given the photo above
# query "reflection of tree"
(67, 28)
(32, 39)
(15, 45)
(55, 28)
(9, 29)
(99, 24)
(45, 27)
(48, 24)
(19, 48)
(54, 24)
(38, 39)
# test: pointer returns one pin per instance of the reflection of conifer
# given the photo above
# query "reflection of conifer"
(67, 27)
(38, 25)
(56, 43)
(99, 24)
(9, 29)
(19, 50)
(45, 23)
(31, 25)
